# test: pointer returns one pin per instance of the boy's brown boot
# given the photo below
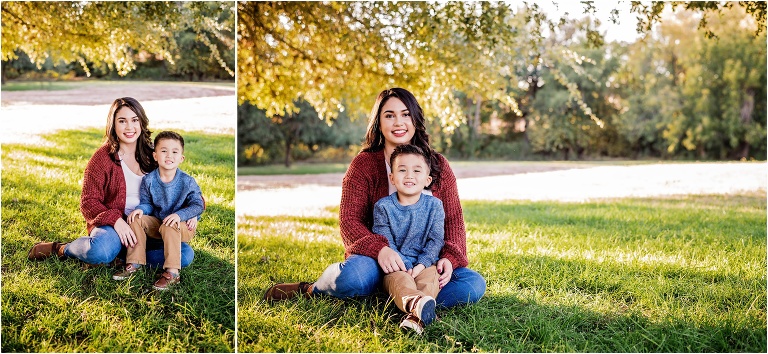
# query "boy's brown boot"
(126, 272)
(285, 291)
(423, 307)
(166, 280)
(43, 250)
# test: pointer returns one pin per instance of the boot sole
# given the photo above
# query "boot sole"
(425, 310)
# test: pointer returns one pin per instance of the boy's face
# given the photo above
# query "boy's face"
(410, 174)
(168, 154)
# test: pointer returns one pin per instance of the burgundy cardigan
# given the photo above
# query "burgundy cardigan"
(103, 199)
(366, 182)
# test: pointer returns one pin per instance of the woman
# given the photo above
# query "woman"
(111, 191)
(396, 119)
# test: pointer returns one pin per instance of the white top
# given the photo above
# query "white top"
(392, 188)
(132, 184)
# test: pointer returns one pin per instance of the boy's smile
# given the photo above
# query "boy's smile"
(410, 175)
(168, 154)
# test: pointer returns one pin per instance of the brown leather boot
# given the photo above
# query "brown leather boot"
(43, 250)
(285, 291)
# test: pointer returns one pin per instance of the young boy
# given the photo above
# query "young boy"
(413, 223)
(170, 203)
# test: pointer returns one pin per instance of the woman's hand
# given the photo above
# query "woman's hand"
(445, 268)
(127, 238)
(390, 261)
(192, 224)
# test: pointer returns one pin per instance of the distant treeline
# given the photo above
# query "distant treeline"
(673, 94)
(192, 63)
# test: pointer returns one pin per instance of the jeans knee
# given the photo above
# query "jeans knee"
(359, 276)
(187, 255)
(477, 286)
(352, 285)
(466, 287)
(101, 252)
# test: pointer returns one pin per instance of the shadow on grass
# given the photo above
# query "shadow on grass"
(560, 278)
(58, 306)
(509, 323)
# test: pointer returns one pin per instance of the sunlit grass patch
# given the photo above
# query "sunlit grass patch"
(57, 306)
(670, 274)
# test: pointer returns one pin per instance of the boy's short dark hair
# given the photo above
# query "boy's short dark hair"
(407, 149)
(167, 134)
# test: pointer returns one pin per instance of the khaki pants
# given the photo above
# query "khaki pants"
(172, 238)
(404, 288)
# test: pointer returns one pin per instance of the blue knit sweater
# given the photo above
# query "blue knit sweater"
(181, 196)
(415, 231)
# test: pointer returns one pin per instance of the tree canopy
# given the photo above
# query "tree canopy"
(111, 33)
(489, 74)
(650, 14)
(339, 55)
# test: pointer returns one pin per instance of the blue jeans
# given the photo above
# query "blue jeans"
(361, 276)
(103, 246)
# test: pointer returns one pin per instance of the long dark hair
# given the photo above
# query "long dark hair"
(144, 144)
(374, 139)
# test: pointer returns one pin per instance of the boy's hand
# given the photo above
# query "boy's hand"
(137, 213)
(390, 261)
(192, 224)
(172, 220)
(417, 270)
(445, 268)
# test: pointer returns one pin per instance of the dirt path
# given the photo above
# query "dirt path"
(460, 170)
(94, 93)
(311, 195)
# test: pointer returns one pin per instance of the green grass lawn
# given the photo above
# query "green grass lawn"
(63, 85)
(295, 169)
(682, 274)
(40, 85)
(300, 168)
(58, 306)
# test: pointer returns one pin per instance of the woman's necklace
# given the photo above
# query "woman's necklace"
(136, 169)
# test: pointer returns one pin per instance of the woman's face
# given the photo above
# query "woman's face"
(395, 123)
(127, 126)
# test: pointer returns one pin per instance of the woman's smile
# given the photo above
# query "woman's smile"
(395, 123)
(127, 125)
(400, 132)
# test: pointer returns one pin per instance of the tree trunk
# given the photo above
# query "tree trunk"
(742, 152)
(473, 125)
(747, 107)
(476, 125)
(288, 144)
